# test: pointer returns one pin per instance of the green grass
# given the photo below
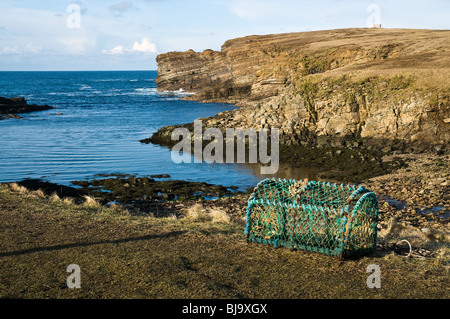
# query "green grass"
(125, 256)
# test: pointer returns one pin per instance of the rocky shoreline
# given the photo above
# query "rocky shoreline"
(18, 105)
(414, 200)
(371, 113)
(134, 192)
(350, 163)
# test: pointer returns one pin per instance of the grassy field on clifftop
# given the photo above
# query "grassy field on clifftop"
(198, 256)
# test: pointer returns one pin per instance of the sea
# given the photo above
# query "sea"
(95, 129)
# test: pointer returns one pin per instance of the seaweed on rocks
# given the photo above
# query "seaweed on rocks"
(132, 189)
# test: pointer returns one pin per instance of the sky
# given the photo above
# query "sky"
(58, 35)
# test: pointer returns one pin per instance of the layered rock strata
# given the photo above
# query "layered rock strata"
(346, 88)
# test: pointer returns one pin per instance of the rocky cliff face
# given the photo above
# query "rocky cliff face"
(345, 88)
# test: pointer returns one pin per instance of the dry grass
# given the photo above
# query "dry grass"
(14, 187)
(39, 193)
(424, 79)
(219, 216)
(172, 217)
(23, 190)
(199, 213)
(68, 201)
(54, 198)
(91, 202)
(114, 206)
(19, 188)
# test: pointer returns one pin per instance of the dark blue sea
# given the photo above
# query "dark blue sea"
(104, 115)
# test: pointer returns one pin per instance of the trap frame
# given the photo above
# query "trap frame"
(329, 218)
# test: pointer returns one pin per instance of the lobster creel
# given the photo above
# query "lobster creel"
(328, 218)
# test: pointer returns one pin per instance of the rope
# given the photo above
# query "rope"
(410, 247)
(420, 253)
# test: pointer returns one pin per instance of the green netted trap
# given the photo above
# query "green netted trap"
(333, 219)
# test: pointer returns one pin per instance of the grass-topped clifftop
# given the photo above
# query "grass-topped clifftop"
(259, 66)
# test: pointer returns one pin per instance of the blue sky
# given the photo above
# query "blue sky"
(128, 34)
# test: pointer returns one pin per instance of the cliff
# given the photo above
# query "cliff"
(380, 88)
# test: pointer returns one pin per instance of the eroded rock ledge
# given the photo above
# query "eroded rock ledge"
(350, 88)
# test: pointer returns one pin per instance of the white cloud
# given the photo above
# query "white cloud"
(23, 50)
(77, 45)
(115, 51)
(146, 46)
(11, 50)
(29, 47)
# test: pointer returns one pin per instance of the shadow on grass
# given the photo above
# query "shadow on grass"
(75, 245)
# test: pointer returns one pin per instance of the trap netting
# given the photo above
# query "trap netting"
(333, 219)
